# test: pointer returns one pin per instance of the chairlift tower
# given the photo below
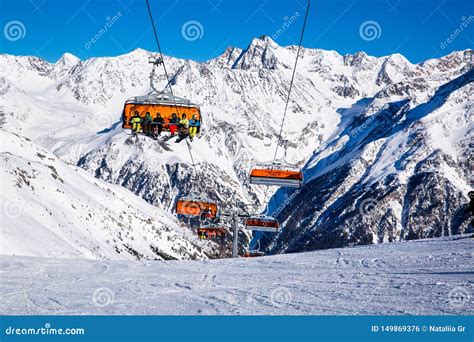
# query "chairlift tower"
(235, 217)
(235, 237)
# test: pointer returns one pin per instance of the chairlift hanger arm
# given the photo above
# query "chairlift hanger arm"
(155, 62)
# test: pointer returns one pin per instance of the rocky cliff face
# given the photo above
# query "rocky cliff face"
(402, 173)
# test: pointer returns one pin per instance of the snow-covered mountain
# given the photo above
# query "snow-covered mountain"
(364, 128)
(53, 209)
(399, 168)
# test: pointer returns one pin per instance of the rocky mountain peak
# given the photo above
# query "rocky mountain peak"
(259, 54)
(68, 59)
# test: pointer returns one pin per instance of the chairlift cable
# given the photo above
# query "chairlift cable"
(159, 46)
(287, 101)
(292, 79)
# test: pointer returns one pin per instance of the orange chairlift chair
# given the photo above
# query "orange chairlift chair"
(253, 254)
(197, 206)
(279, 174)
(212, 232)
(262, 223)
(162, 102)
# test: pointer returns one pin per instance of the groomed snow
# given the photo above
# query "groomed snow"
(423, 277)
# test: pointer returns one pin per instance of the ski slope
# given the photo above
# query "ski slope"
(423, 277)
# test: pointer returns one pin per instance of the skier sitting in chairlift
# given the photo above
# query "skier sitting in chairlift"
(174, 121)
(157, 125)
(202, 235)
(135, 121)
(147, 124)
(184, 121)
(183, 129)
(205, 214)
(194, 124)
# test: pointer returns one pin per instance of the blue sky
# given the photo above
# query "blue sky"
(418, 29)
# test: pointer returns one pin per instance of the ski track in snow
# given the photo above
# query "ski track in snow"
(414, 278)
